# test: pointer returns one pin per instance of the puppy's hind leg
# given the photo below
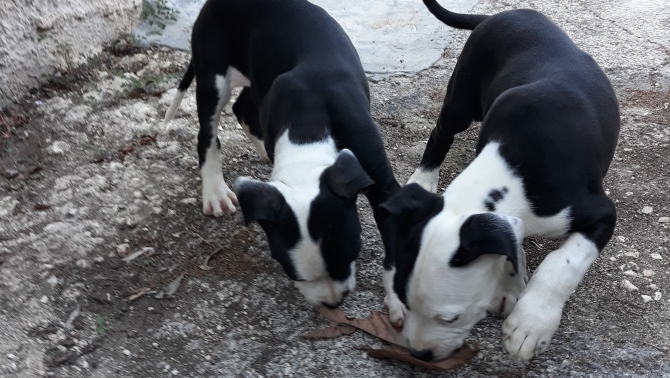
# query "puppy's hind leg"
(212, 94)
(247, 115)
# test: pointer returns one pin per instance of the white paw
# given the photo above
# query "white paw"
(426, 179)
(217, 198)
(503, 305)
(528, 330)
(396, 308)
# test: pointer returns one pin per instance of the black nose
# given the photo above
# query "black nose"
(336, 305)
(423, 355)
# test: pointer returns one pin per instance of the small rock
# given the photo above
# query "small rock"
(565, 364)
(127, 352)
(189, 201)
(632, 254)
(664, 220)
(11, 173)
(44, 299)
(647, 210)
(653, 287)
(175, 372)
(621, 238)
(628, 286)
(612, 258)
(648, 272)
(123, 249)
(657, 295)
(656, 256)
(646, 298)
(59, 148)
(630, 273)
(12, 357)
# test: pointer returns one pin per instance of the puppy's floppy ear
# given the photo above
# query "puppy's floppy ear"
(488, 233)
(346, 177)
(258, 200)
(411, 204)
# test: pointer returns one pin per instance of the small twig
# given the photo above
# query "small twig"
(204, 265)
(170, 160)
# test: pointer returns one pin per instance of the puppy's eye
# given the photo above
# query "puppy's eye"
(447, 320)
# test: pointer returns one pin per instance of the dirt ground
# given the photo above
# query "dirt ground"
(89, 179)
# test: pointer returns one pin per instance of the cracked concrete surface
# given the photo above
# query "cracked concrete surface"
(65, 289)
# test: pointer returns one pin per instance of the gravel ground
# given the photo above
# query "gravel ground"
(90, 177)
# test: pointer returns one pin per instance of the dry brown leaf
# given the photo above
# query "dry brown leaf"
(379, 325)
(30, 170)
(146, 140)
(459, 358)
(126, 149)
(42, 206)
(331, 332)
(137, 293)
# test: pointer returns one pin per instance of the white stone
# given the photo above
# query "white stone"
(126, 352)
(628, 286)
(646, 298)
(53, 280)
(630, 273)
(44, 299)
(621, 238)
(12, 357)
(59, 148)
(189, 201)
(122, 249)
(653, 287)
(632, 254)
(647, 210)
(648, 272)
(657, 295)
(175, 372)
(656, 256)
(664, 220)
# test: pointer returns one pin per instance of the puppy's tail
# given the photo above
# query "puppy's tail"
(181, 90)
(455, 20)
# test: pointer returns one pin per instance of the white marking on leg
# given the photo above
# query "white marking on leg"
(396, 308)
(258, 144)
(169, 114)
(217, 198)
(426, 178)
(528, 330)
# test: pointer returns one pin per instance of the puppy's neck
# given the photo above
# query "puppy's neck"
(300, 165)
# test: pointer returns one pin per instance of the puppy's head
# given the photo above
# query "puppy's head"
(313, 229)
(447, 267)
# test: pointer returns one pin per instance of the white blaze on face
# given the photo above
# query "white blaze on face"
(298, 168)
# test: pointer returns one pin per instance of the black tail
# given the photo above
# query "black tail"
(187, 79)
(455, 20)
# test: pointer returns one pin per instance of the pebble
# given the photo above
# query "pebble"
(155, 345)
(630, 273)
(189, 201)
(122, 249)
(657, 295)
(646, 298)
(127, 352)
(565, 364)
(620, 238)
(44, 299)
(653, 287)
(12, 357)
(648, 272)
(656, 256)
(632, 254)
(647, 210)
(628, 286)
(664, 220)
(175, 372)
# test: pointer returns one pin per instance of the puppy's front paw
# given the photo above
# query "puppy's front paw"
(427, 179)
(217, 198)
(397, 310)
(502, 306)
(528, 330)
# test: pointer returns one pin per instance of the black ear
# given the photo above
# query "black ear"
(411, 204)
(258, 200)
(346, 177)
(483, 234)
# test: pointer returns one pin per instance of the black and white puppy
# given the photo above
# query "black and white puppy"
(550, 123)
(305, 106)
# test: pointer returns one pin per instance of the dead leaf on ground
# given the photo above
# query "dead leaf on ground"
(379, 325)
(126, 149)
(459, 358)
(146, 140)
(170, 289)
(30, 170)
(131, 296)
(137, 93)
(204, 265)
(331, 332)
(42, 206)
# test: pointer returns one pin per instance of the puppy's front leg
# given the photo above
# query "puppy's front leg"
(528, 330)
(396, 308)
(212, 95)
(510, 288)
